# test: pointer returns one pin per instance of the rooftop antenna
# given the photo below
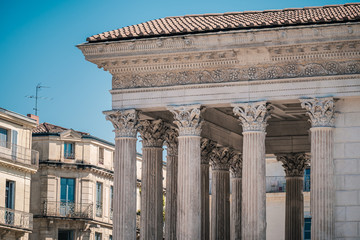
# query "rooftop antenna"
(38, 87)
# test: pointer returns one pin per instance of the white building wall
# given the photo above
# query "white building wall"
(347, 169)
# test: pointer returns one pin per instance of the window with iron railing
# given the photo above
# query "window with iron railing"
(69, 150)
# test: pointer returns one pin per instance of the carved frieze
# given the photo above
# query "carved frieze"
(320, 110)
(152, 133)
(206, 148)
(253, 115)
(236, 165)
(125, 122)
(220, 158)
(237, 73)
(171, 140)
(188, 119)
(294, 163)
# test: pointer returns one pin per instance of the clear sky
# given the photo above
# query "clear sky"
(37, 45)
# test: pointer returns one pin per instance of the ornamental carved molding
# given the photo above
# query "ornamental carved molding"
(125, 122)
(220, 158)
(253, 115)
(184, 76)
(294, 163)
(236, 165)
(152, 132)
(187, 119)
(206, 148)
(171, 141)
(320, 110)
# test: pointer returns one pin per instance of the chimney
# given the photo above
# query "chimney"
(32, 116)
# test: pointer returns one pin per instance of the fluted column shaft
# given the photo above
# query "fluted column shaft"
(171, 184)
(124, 199)
(220, 205)
(205, 204)
(188, 120)
(322, 117)
(151, 223)
(322, 186)
(294, 212)
(235, 211)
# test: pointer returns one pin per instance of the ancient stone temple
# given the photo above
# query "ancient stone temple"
(224, 90)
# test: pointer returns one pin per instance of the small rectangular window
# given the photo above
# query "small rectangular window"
(69, 150)
(10, 202)
(98, 199)
(98, 236)
(111, 201)
(307, 228)
(101, 155)
(4, 137)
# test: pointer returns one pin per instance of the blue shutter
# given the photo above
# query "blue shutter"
(67, 190)
(14, 134)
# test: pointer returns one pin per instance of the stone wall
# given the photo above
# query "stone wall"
(347, 169)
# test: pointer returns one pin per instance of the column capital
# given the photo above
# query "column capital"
(125, 122)
(236, 165)
(220, 158)
(206, 148)
(152, 132)
(188, 119)
(253, 115)
(294, 163)
(171, 140)
(320, 110)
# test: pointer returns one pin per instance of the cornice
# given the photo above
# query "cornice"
(19, 167)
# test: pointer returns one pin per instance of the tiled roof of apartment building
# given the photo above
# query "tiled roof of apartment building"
(190, 24)
(51, 128)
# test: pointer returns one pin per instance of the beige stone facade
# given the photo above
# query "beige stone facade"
(255, 90)
(18, 162)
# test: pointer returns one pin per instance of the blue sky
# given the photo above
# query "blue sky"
(37, 45)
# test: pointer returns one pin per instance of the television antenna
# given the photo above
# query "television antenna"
(38, 87)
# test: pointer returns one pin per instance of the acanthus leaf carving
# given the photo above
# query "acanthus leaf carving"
(236, 165)
(206, 148)
(125, 122)
(294, 163)
(171, 140)
(220, 158)
(152, 132)
(320, 110)
(253, 115)
(188, 119)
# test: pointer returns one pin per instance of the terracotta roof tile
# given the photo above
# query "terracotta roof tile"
(233, 21)
(51, 128)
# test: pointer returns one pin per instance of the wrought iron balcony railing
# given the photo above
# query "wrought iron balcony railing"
(17, 219)
(278, 184)
(99, 209)
(19, 154)
(68, 209)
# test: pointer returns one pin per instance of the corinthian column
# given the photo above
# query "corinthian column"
(236, 196)
(187, 118)
(124, 217)
(206, 148)
(220, 196)
(253, 117)
(321, 113)
(151, 221)
(294, 165)
(171, 140)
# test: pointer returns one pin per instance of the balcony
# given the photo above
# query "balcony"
(99, 209)
(19, 154)
(16, 219)
(68, 209)
(278, 184)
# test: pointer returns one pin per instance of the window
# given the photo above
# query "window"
(110, 237)
(66, 235)
(67, 196)
(307, 228)
(111, 201)
(4, 137)
(98, 199)
(307, 180)
(101, 155)
(14, 144)
(10, 202)
(69, 150)
(98, 236)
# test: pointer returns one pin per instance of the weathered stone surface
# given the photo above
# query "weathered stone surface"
(236, 196)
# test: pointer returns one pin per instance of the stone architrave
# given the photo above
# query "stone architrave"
(188, 120)
(206, 148)
(124, 218)
(151, 221)
(322, 116)
(236, 195)
(253, 117)
(171, 141)
(220, 196)
(294, 165)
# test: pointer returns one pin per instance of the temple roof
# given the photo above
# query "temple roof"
(191, 24)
